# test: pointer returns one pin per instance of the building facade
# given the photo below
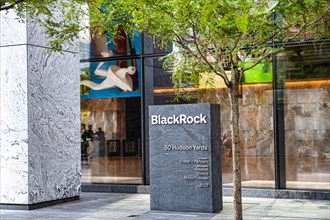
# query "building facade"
(284, 114)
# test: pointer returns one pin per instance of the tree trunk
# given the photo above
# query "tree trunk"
(236, 147)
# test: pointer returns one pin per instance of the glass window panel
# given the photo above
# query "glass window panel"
(107, 46)
(256, 115)
(121, 45)
(152, 46)
(113, 153)
(307, 124)
(111, 79)
(256, 134)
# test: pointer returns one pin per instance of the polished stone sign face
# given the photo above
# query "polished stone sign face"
(185, 164)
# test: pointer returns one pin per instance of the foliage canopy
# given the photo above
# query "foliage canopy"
(212, 36)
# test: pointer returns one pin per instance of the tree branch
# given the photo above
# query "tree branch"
(223, 76)
(258, 61)
(304, 25)
(184, 46)
(10, 6)
(249, 49)
(199, 51)
(155, 6)
(221, 65)
(287, 39)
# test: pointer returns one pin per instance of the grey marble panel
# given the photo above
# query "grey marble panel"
(12, 30)
(13, 125)
(185, 166)
(54, 125)
(36, 36)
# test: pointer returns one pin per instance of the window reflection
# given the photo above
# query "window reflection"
(307, 126)
(119, 45)
(114, 152)
(113, 113)
(109, 80)
(256, 123)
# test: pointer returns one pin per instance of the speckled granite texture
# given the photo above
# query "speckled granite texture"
(185, 166)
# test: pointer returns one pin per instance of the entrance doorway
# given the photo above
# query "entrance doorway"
(114, 150)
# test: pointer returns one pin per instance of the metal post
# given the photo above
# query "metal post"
(279, 125)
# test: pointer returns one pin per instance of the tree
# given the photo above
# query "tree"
(32, 7)
(212, 36)
(60, 18)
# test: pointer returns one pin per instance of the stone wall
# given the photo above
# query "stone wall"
(307, 115)
(307, 128)
(39, 135)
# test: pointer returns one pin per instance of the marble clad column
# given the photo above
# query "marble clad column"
(39, 117)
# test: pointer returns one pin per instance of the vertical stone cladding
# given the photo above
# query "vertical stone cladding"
(39, 112)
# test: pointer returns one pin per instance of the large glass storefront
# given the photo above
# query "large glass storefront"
(114, 152)
(256, 115)
(111, 110)
(306, 70)
(284, 117)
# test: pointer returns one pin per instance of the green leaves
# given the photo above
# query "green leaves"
(211, 35)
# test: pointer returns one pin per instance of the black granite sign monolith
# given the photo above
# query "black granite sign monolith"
(185, 162)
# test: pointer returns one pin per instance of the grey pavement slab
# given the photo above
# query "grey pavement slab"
(108, 206)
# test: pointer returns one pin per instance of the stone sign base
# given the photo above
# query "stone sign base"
(185, 162)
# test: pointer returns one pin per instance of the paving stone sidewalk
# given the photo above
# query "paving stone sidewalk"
(107, 206)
